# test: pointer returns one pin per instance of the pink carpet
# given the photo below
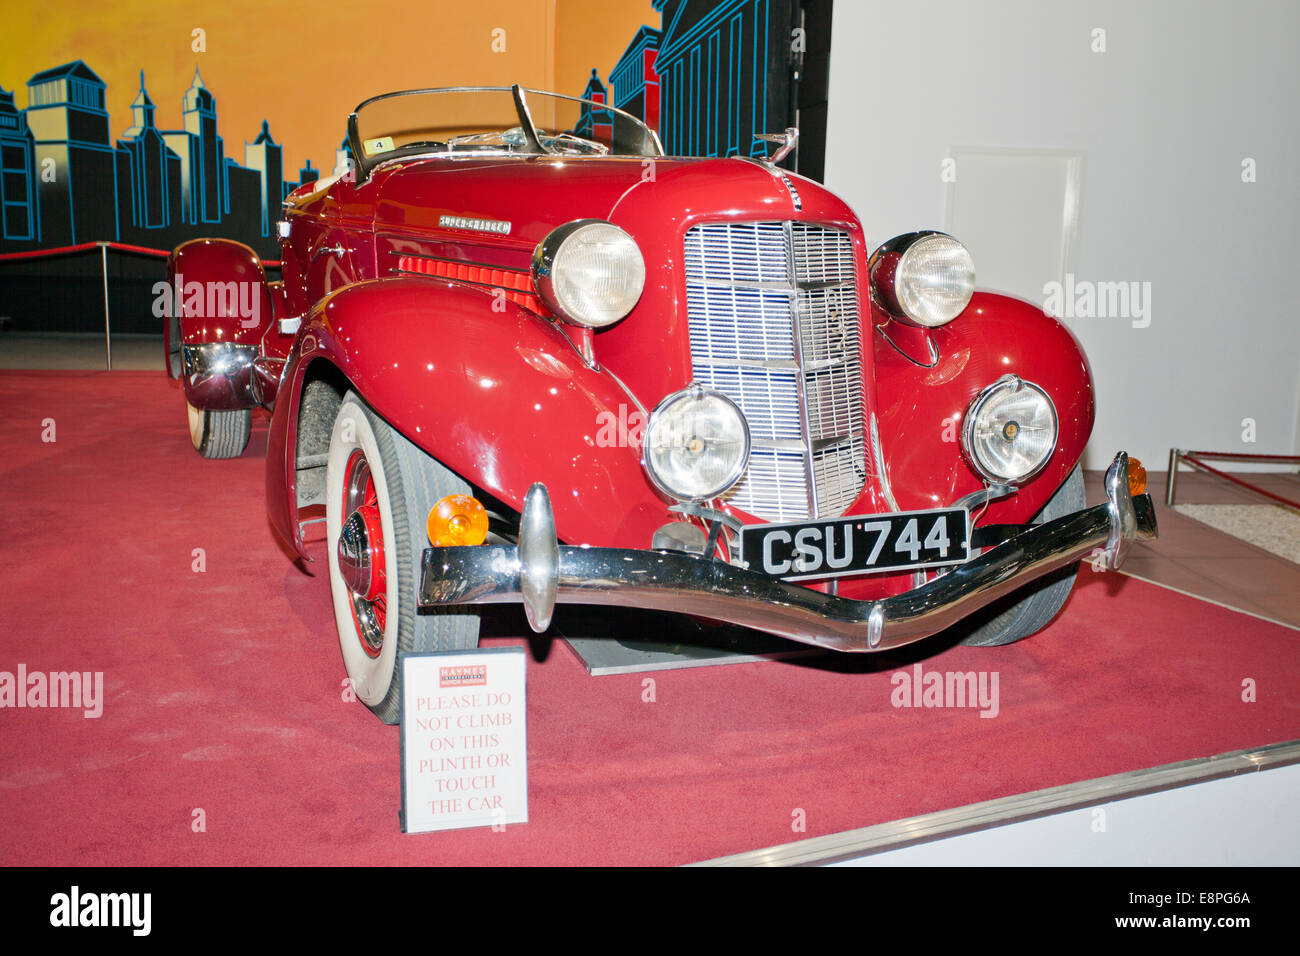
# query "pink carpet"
(222, 689)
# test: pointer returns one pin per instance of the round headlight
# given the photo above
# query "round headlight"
(589, 272)
(696, 444)
(932, 280)
(1010, 430)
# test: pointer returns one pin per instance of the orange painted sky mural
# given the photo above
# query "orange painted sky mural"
(303, 68)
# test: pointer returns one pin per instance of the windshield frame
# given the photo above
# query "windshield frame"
(537, 147)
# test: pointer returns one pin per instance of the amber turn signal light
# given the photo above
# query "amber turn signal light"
(1137, 477)
(457, 520)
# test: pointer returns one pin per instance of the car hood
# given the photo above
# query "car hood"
(536, 194)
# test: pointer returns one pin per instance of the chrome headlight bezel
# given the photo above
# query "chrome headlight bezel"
(897, 289)
(659, 419)
(979, 405)
(549, 266)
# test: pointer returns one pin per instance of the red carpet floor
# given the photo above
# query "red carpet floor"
(222, 689)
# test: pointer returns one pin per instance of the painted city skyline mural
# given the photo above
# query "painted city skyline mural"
(64, 179)
(709, 79)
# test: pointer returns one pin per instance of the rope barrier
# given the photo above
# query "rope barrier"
(114, 246)
(1193, 458)
(104, 248)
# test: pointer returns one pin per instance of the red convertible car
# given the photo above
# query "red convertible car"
(520, 355)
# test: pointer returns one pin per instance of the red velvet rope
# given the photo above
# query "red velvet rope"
(115, 246)
(1191, 459)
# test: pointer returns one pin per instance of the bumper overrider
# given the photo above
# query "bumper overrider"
(540, 572)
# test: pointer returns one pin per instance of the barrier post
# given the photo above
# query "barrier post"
(108, 342)
(1171, 477)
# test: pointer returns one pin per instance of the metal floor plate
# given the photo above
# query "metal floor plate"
(615, 641)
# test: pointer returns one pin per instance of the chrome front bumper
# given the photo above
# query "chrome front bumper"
(540, 572)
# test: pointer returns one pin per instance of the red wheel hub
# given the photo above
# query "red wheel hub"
(361, 554)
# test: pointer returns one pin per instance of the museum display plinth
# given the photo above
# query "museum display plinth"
(223, 689)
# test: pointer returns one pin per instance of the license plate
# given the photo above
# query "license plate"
(836, 547)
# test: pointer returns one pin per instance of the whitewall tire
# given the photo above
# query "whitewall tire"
(219, 434)
(379, 487)
(1031, 608)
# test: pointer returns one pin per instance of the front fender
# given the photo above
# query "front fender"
(490, 390)
(922, 409)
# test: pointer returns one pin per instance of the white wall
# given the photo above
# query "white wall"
(1186, 90)
(1245, 820)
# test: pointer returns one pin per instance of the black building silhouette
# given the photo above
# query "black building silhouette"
(635, 78)
(63, 179)
(150, 169)
(77, 181)
(265, 156)
(724, 75)
(19, 202)
(594, 123)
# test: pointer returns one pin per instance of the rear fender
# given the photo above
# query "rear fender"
(922, 409)
(219, 292)
(219, 308)
(492, 391)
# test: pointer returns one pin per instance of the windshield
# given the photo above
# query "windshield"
(468, 120)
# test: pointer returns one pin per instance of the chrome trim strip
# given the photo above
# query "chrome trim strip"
(648, 135)
(796, 322)
(934, 349)
(770, 285)
(990, 492)
(583, 349)
(687, 584)
(928, 827)
(794, 193)
(795, 444)
(784, 365)
(878, 455)
(696, 510)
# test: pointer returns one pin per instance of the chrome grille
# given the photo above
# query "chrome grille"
(773, 314)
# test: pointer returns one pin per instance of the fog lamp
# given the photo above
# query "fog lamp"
(457, 520)
(696, 444)
(1010, 430)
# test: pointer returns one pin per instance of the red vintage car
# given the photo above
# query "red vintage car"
(520, 355)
